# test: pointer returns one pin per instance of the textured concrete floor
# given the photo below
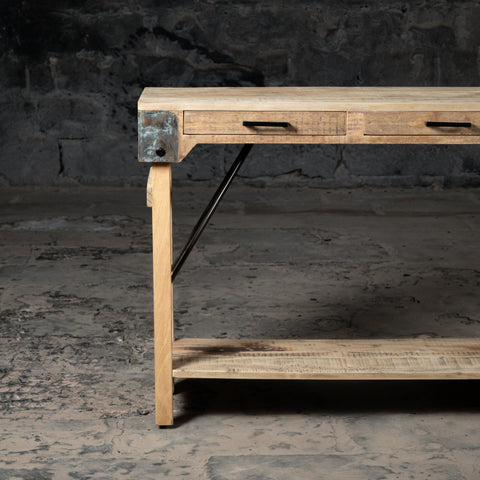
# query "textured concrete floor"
(76, 358)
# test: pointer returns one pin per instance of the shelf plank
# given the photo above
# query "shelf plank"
(328, 359)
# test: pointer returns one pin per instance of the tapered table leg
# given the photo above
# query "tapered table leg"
(161, 188)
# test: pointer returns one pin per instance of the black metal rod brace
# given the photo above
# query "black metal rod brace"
(210, 210)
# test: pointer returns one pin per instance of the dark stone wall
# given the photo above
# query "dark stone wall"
(71, 73)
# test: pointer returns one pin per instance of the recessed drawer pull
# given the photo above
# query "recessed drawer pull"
(266, 124)
(449, 124)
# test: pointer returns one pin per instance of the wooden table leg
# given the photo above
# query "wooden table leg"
(161, 188)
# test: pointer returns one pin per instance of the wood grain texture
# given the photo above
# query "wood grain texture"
(328, 359)
(161, 184)
(149, 195)
(213, 115)
(362, 116)
(355, 127)
(414, 123)
(231, 123)
(312, 99)
(352, 137)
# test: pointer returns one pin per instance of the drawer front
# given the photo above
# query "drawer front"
(287, 123)
(422, 123)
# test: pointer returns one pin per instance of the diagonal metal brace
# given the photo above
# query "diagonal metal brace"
(210, 210)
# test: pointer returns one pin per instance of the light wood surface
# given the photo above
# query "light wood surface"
(312, 98)
(351, 137)
(231, 123)
(328, 359)
(319, 115)
(161, 181)
(338, 115)
(149, 195)
(414, 123)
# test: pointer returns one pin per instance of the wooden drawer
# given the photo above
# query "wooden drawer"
(415, 123)
(232, 123)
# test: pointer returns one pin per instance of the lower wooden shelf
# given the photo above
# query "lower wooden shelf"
(328, 359)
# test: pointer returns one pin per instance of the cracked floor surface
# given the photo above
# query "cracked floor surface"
(76, 362)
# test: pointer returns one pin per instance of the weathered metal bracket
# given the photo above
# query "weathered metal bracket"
(157, 137)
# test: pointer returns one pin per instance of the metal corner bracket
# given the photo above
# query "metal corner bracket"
(157, 137)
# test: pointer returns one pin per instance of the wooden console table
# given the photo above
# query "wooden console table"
(173, 120)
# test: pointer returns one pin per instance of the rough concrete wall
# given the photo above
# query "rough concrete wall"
(71, 72)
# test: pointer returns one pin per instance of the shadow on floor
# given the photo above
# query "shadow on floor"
(267, 397)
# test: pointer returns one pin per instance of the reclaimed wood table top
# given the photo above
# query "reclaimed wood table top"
(311, 98)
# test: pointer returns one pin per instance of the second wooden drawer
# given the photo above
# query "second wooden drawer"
(422, 123)
(231, 123)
